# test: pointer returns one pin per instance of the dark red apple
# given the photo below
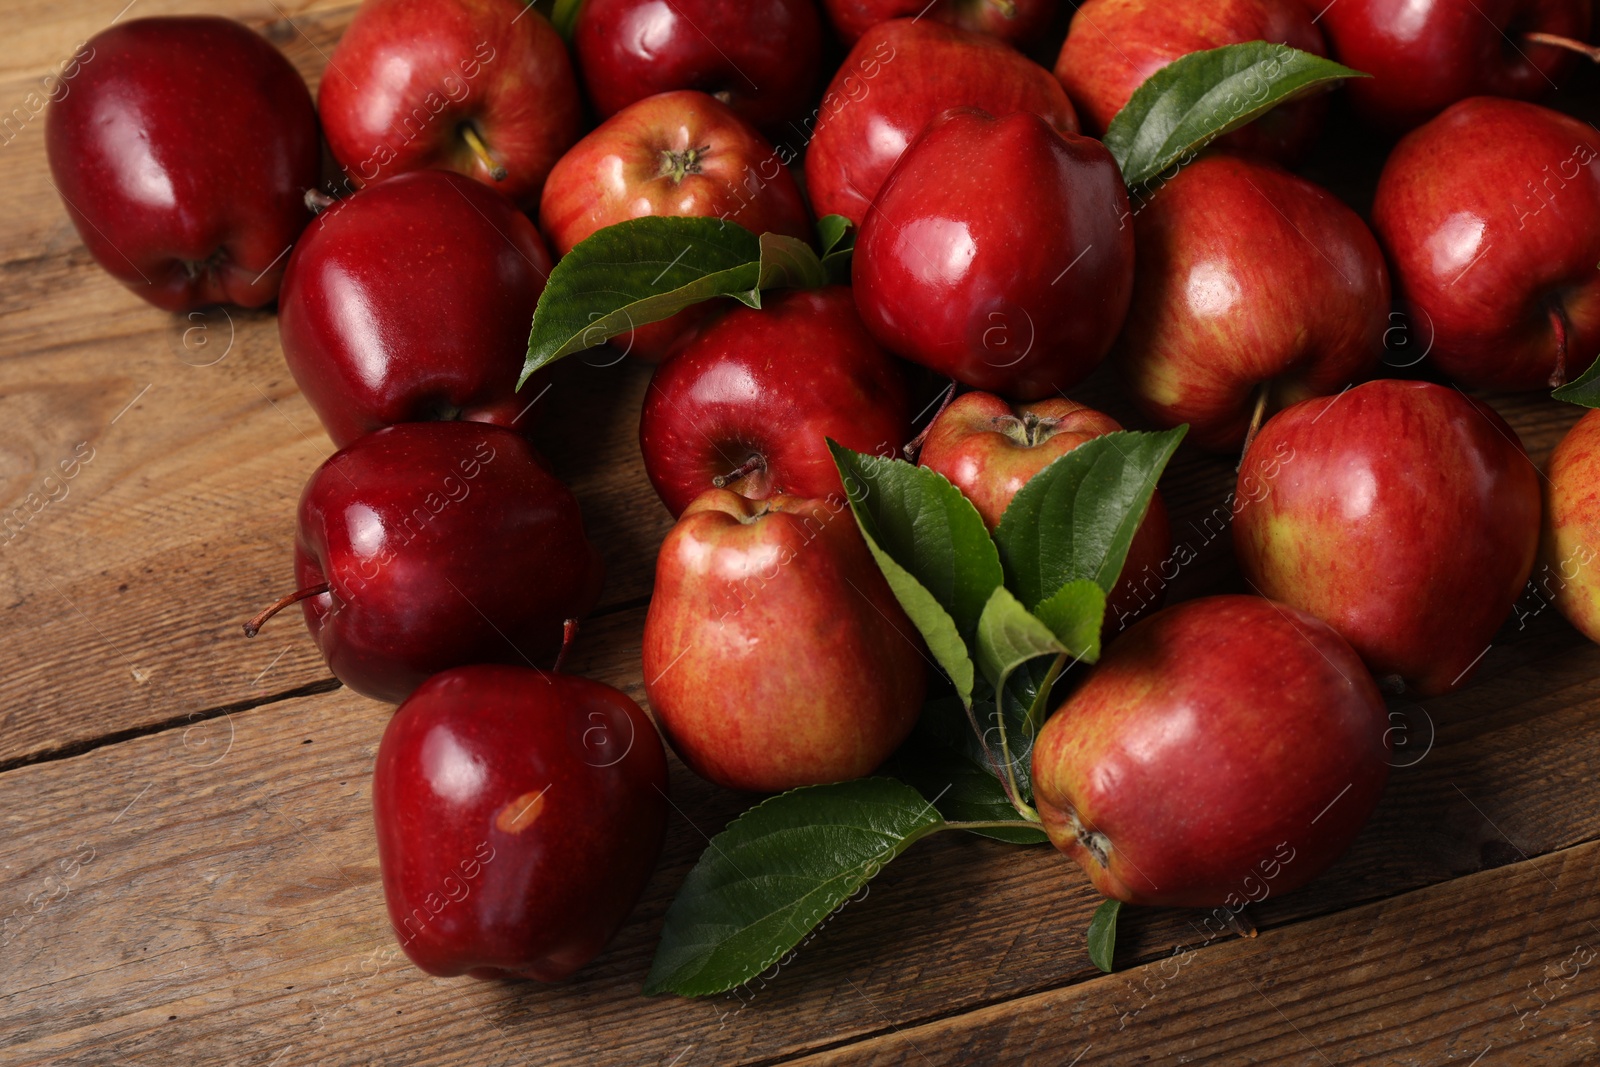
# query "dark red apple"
(183, 153)
(1424, 55)
(998, 253)
(989, 450)
(1254, 287)
(1403, 514)
(519, 816)
(1017, 22)
(412, 301)
(681, 154)
(480, 87)
(775, 654)
(1113, 46)
(760, 57)
(750, 401)
(1224, 750)
(899, 76)
(1491, 217)
(431, 545)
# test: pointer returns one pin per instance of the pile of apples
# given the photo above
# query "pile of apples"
(1387, 526)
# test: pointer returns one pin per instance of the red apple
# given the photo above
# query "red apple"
(775, 653)
(989, 450)
(1017, 22)
(1224, 750)
(480, 87)
(431, 545)
(997, 253)
(1113, 46)
(761, 58)
(1424, 55)
(681, 154)
(751, 399)
(1253, 287)
(1571, 543)
(1403, 514)
(183, 153)
(411, 301)
(899, 76)
(519, 816)
(1491, 217)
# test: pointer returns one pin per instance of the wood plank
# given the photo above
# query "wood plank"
(1415, 981)
(247, 867)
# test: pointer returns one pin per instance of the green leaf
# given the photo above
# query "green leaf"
(775, 873)
(638, 272)
(1103, 934)
(1008, 638)
(944, 762)
(1191, 101)
(932, 546)
(564, 16)
(1583, 390)
(789, 263)
(1076, 518)
(837, 237)
(1076, 613)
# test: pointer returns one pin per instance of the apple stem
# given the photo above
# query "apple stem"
(1558, 325)
(569, 634)
(474, 139)
(1241, 924)
(1557, 41)
(253, 627)
(913, 448)
(756, 462)
(317, 201)
(1257, 417)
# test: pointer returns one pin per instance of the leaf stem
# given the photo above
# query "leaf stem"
(987, 824)
(1035, 720)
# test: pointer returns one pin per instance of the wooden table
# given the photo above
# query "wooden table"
(188, 875)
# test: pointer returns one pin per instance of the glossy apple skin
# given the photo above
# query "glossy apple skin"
(519, 816)
(1425, 55)
(989, 450)
(1248, 277)
(1223, 750)
(1016, 23)
(412, 301)
(776, 654)
(760, 57)
(998, 253)
(180, 227)
(774, 383)
(1491, 217)
(1113, 46)
(408, 74)
(1569, 571)
(1403, 514)
(444, 543)
(899, 76)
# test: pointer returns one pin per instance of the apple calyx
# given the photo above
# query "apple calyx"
(676, 165)
(254, 626)
(1028, 430)
(195, 268)
(1555, 40)
(756, 464)
(474, 138)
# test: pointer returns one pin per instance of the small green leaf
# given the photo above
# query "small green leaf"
(1191, 101)
(775, 873)
(1103, 934)
(564, 16)
(634, 273)
(789, 263)
(943, 761)
(831, 232)
(1076, 613)
(1010, 637)
(931, 544)
(1583, 390)
(1076, 518)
